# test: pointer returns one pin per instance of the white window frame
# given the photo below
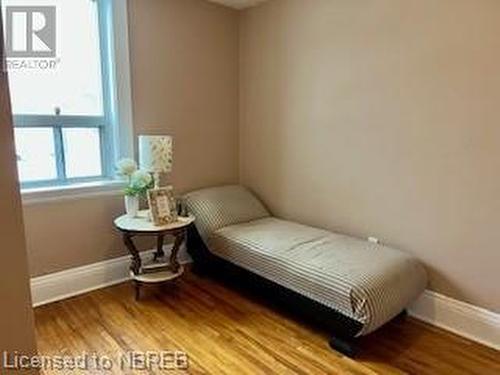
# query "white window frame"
(116, 125)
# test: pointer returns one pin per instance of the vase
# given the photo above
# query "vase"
(131, 205)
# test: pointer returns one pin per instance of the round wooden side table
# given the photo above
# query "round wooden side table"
(160, 269)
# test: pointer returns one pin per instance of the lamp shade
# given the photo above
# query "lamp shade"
(156, 153)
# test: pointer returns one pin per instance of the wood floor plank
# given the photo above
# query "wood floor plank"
(224, 331)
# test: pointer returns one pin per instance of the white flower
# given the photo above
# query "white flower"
(126, 167)
(141, 179)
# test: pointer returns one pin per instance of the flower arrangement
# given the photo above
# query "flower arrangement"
(139, 181)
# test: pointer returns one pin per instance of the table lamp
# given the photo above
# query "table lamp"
(156, 155)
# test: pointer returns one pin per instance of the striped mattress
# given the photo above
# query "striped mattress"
(367, 282)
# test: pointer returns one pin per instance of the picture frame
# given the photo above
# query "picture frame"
(162, 205)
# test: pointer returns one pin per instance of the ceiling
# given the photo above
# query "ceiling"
(238, 4)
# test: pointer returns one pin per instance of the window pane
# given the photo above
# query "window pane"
(82, 152)
(35, 150)
(74, 84)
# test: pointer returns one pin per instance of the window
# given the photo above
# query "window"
(63, 106)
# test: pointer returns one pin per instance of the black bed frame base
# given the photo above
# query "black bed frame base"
(344, 329)
(347, 346)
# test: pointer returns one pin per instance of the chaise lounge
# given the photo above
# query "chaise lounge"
(351, 285)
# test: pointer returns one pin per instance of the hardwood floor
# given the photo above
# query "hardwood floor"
(226, 332)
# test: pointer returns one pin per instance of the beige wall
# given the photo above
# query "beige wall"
(366, 117)
(381, 118)
(184, 57)
(16, 314)
(72, 233)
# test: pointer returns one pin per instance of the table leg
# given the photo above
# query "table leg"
(159, 247)
(136, 259)
(179, 239)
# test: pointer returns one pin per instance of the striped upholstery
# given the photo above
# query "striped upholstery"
(222, 206)
(367, 282)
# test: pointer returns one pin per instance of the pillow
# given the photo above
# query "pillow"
(218, 207)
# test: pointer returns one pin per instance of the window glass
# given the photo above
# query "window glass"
(74, 84)
(82, 150)
(35, 151)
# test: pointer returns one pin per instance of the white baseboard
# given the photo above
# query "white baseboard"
(461, 318)
(72, 282)
(466, 320)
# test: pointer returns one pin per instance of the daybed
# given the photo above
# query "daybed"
(354, 286)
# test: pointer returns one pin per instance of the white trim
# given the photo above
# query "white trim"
(124, 120)
(465, 320)
(71, 192)
(461, 318)
(75, 281)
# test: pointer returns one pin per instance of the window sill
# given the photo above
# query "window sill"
(71, 192)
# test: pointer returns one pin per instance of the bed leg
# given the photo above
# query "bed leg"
(345, 346)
